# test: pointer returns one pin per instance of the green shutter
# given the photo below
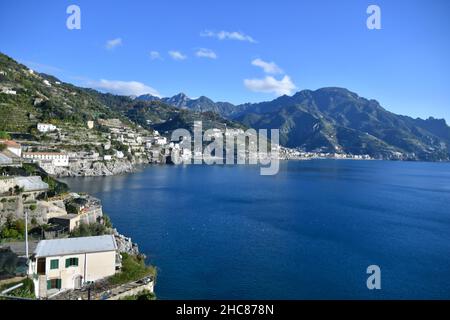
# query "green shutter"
(71, 262)
(49, 284)
(54, 264)
(58, 283)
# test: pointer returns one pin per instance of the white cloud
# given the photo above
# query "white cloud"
(155, 55)
(128, 88)
(271, 85)
(177, 55)
(111, 44)
(268, 67)
(227, 35)
(206, 53)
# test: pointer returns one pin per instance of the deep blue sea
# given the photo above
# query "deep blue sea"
(310, 232)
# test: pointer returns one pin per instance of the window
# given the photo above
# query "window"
(53, 284)
(54, 264)
(71, 262)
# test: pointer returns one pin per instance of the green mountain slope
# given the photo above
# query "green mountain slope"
(44, 98)
(335, 119)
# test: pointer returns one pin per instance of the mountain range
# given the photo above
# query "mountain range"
(333, 120)
(325, 120)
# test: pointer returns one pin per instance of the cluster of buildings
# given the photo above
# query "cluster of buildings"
(13, 154)
(297, 154)
(140, 143)
(50, 155)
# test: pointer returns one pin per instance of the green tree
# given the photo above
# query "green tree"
(4, 135)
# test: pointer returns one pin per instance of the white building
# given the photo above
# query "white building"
(46, 127)
(119, 154)
(12, 146)
(8, 91)
(64, 264)
(161, 141)
(57, 159)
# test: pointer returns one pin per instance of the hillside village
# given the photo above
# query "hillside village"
(56, 244)
(66, 150)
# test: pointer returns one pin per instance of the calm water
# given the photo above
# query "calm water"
(225, 232)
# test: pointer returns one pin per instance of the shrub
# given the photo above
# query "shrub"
(89, 230)
(4, 135)
(133, 268)
(13, 229)
(107, 221)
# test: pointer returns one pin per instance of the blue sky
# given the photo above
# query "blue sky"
(238, 50)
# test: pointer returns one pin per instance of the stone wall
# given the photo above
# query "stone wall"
(29, 184)
(129, 290)
(38, 211)
(86, 168)
(11, 207)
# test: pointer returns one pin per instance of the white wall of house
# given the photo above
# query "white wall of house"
(57, 159)
(46, 127)
(16, 150)
(8, 91)
(12, 146)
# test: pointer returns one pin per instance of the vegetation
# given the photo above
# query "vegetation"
(133, 269)
(4, 135)
(13, 229)
(25, 291)
(107, 221)
(90, 230)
